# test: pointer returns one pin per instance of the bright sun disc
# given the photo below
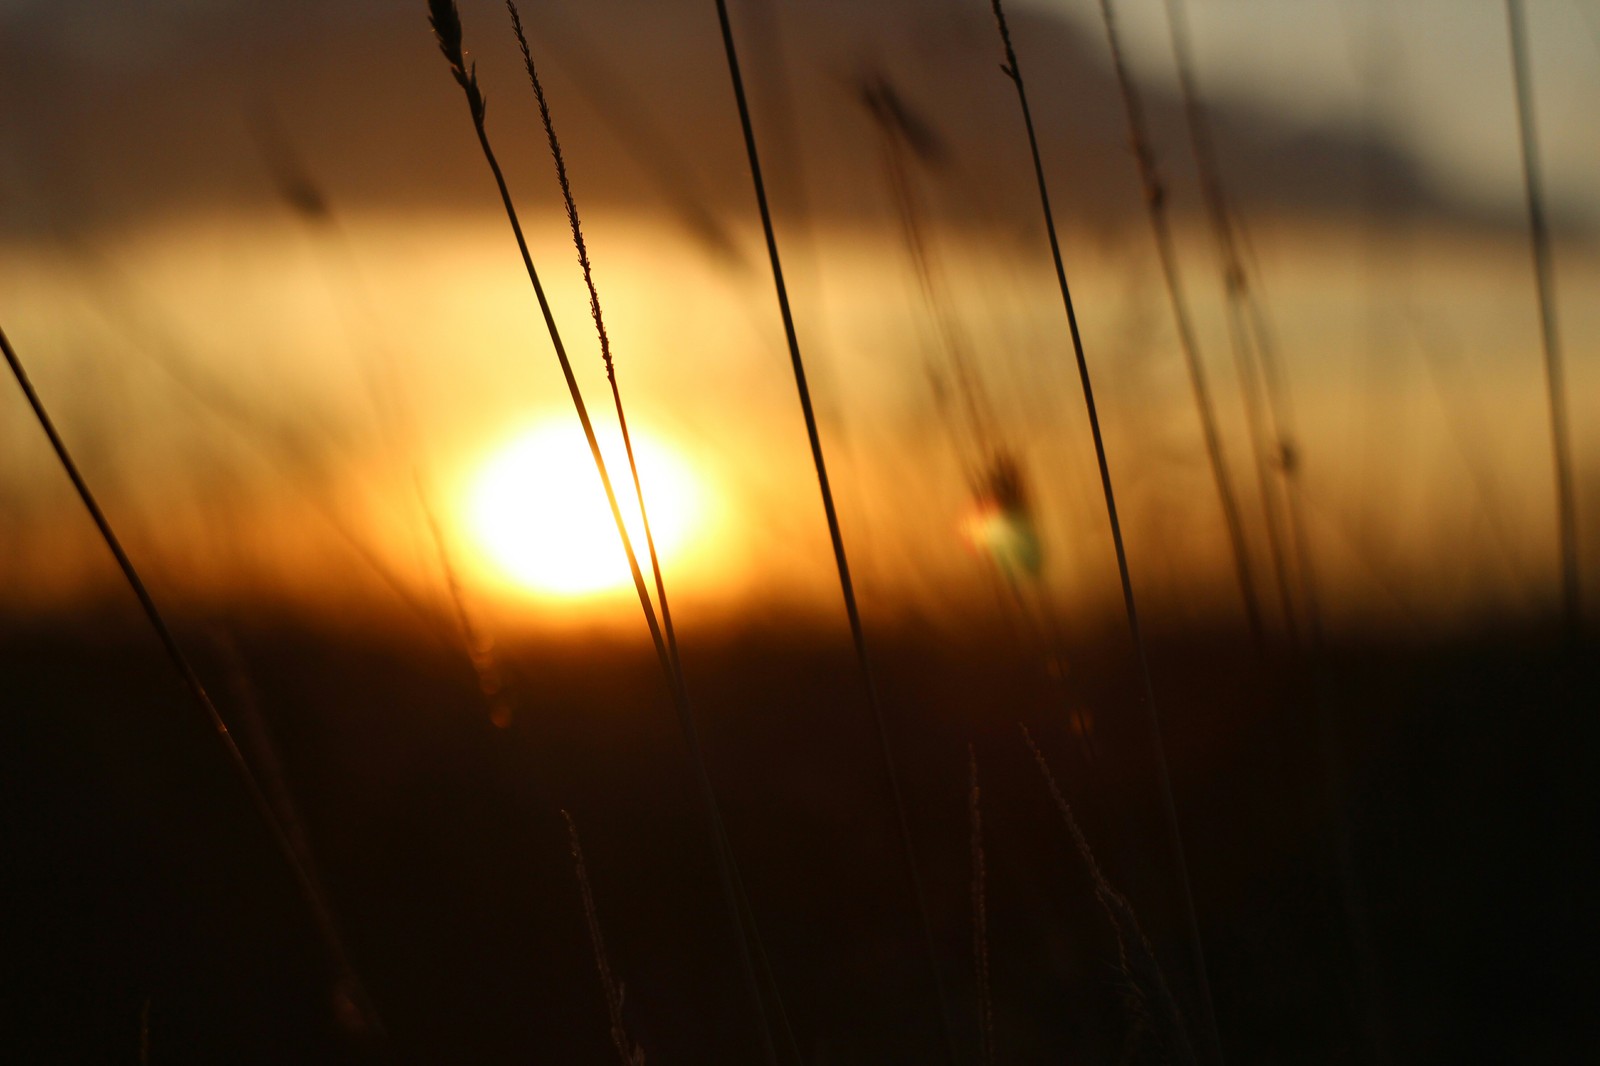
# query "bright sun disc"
(538, 511)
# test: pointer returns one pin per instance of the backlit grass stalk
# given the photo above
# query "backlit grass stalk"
(1169, 805)
(1155, 198)
(478, 646)
(321, 912)
(446, 23)
(1136, 959)
(888, 111)
(1549, 330)
(841, 560)
(582, 247)
(606, 91)
(1256, 354)
(304, 195)
(669, 631)
(1251, 353)
(630, 1053)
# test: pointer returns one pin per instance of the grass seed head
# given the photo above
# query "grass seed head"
(446, 23)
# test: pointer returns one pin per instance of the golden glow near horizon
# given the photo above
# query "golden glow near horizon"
(537, 512)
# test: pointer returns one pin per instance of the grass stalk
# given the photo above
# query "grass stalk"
(349, 983)
(477, 644)
(1256, 357)
(669, 631)
(1549, 330)
(1180, 863)
(1136, 959)
(841, 560)
(605, 90)
(397, 429)
(1155, 198)
(629, 1052)
(1251, 354)
(901, 130)
(446, 23)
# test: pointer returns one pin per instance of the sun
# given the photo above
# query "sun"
(538, 513)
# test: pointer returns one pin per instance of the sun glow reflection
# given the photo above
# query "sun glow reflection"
(537, 511)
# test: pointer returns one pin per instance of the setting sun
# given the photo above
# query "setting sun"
(537, 510)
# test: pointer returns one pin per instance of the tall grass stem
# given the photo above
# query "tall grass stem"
(1155, 198)
(1180, 863)
(1256, 357)
(1135, 957)
(1549, 329)
(1263, 421)
(446, 23)
(321, 912)
(584, 264)
(629, 1052)
(669, 631)
(841, 560)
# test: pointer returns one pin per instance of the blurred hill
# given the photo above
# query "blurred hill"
(115, 114)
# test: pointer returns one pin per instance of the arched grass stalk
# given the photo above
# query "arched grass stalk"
(841, 560)
(349, 983)
(1155, 198)
(1549, 331)
(446, 23)
(1169, 805)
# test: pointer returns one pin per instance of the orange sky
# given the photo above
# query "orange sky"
(253, 394)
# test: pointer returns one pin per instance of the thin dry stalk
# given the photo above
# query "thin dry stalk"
(321, 912)
(606, 91)
(1169, 806)
(667, 627)
(980, 913)
(1258, 365)
(1136, 959)
(630, 1053)
(599, 325)
(446, 23)
(385, 388)
(262, 751)
(841, 560)
(1251, 353)
(478, 645)
(902, 131)
(1155, 198)
(1549, 331)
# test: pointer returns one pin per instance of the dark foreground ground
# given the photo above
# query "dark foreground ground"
(1414, 882)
